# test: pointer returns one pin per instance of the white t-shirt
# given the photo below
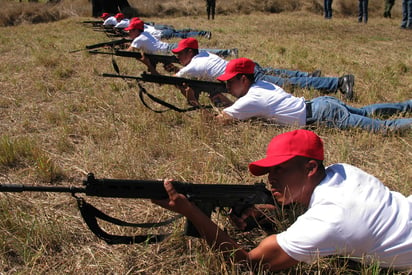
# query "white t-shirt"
(149, 44)
(123, 24)
(111, 21)
(268, 101)
(204, 66)
(352, 213)
(153, 31)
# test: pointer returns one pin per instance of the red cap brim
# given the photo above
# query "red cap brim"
(226, 76)
(261, 167)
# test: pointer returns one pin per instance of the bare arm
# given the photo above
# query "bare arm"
(225, 119)
(144, 60)
(268, 253)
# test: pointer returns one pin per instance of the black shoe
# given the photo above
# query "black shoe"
(234, 52)
(346, 84)
(315, 73)
(208, 35)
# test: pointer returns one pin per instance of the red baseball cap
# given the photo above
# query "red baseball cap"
(237, 66)
(105, 14)
(287, 146)
(187, 43)
(135, 25)
(119, 16)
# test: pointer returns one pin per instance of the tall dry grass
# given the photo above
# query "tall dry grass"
(60, 119)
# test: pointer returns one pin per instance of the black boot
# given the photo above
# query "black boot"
(345, 85)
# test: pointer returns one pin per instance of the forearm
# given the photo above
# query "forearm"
(214, 236)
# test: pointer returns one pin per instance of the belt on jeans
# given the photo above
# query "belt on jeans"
(309, 118)
(308, 109)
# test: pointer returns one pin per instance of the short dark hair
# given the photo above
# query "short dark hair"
(251, 77)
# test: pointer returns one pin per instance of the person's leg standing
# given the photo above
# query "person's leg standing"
(360, 11)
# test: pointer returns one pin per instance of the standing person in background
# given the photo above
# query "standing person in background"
(327, 6)
(210, 8)
(388, 7)
(406, 14)
(363, 11)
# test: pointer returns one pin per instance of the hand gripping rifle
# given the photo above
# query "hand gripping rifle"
(154, 58)
(207, 197)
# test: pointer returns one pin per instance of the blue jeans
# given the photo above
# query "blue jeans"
(327, 7)
(406, 14)
(284, 73)
(363, 11)
(171, 33)
(324, 84)
(334, 113)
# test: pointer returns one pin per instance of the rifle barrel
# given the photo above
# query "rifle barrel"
(34, 188)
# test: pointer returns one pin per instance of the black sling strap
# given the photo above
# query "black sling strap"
(143, 91)
(90, 215)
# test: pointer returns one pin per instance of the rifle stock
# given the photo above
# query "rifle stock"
(154, 58)
(206, 196)
(104, 44)
(210, 87)
(109, 43)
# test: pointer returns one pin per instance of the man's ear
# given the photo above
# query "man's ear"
(312, 167)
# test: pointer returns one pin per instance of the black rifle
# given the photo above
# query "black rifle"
(207, 197)
(109, 43)
(210, 87)
(154, 58)
(112, 31)
(93, 22)
(105, 44)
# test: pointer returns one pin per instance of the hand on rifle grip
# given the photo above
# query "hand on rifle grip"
(171, 68)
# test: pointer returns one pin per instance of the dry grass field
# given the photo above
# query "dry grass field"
(59, 120)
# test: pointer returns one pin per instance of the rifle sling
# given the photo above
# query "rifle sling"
(142, 91)
(90, 215)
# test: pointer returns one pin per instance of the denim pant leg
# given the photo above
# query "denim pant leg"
(167, 33)
(324, 84)
(406, 14)
(360, 11)
(220, 52)
(382, 109)
(327, 6)
(284, 72)
(363, 11)
(334, 113)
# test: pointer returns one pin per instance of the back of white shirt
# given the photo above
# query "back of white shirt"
(149, 44)
(123, 24)
(204, 66)
(352, 213)
(111, 21)
(268, 101)
(153, 31)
